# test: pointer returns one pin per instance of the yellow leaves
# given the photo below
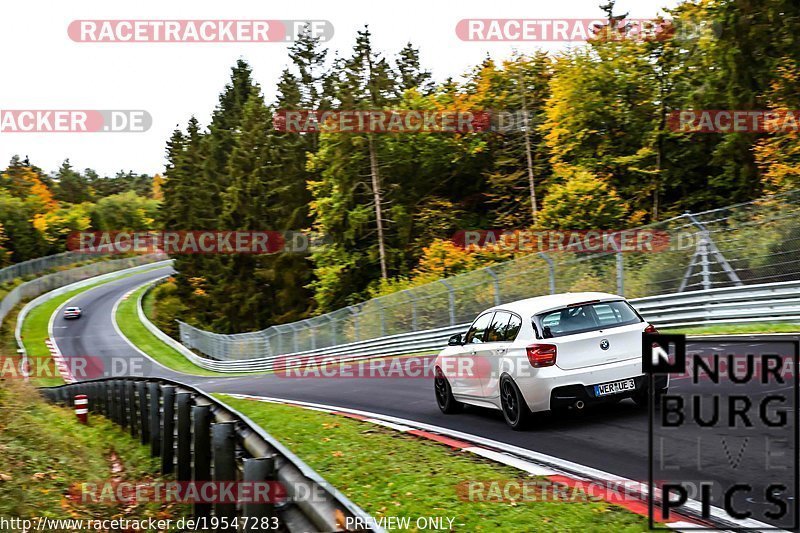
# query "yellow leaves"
(197, 282)
(25, 182)
(40, 223)
(444, 258)
(57, 224)
(337, 453)
(197, 285)
(5, 477)
(158, 183)
(41, 191)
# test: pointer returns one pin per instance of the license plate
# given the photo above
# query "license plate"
(614, 387)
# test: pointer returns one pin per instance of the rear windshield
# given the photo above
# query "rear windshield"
(588, 317)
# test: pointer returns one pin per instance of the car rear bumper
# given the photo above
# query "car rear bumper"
(567, 395)
(553, 387)
(72, 316)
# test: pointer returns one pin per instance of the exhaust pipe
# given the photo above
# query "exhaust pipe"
(579, 404)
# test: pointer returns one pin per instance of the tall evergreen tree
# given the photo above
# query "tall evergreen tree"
(71, 186)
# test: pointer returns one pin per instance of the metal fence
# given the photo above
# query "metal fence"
(765, 302)
(750, 243)
(38, 286)
(43, 264)
(200, 439)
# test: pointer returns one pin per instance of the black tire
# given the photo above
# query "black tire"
(514, 408)
(444, 394)
(642, 399)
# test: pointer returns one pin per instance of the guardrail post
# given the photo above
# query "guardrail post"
(383, 319)
(223, 440)
(354, 311)
(184, 455)
(495, 283)
(122, 401)
(155, 415)
(413, 301)
(130, 390)
(89, 392)
(259, 470)
(313, 331)
(551, 267)
(113, 408)
(332, 324)
(294, 338)
(144, 421)
(201, 419)
(100, 397)
(451, 304)
(168, 433)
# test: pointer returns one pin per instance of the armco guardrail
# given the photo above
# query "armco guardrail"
(768, 302)
(201, 439)
(45, 284)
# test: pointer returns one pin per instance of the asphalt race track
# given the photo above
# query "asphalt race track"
(610, 438)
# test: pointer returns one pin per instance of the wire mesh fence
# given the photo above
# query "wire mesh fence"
(41, 285)
(749, 243)
(39, 265)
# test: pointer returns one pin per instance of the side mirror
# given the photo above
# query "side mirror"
(455, 340)
(546, 333)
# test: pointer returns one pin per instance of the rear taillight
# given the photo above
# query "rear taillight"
(541, 355)
(650, 329)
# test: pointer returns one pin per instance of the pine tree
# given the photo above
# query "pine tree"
(71, 186)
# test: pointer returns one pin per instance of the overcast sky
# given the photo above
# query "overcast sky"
(44, 69)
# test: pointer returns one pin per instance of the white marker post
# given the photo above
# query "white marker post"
(82, 408)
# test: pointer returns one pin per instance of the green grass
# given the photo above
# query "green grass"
(34, 329)
(729, 329)
(130, 325)
(46, 456)
(389, 473)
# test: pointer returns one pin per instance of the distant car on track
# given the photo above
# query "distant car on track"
(72, 312)
(546, 353)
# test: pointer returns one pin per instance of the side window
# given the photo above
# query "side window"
(478, 329)
(497, 331)
(512, 330)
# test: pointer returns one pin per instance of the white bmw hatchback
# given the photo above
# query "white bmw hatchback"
(546, 353)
